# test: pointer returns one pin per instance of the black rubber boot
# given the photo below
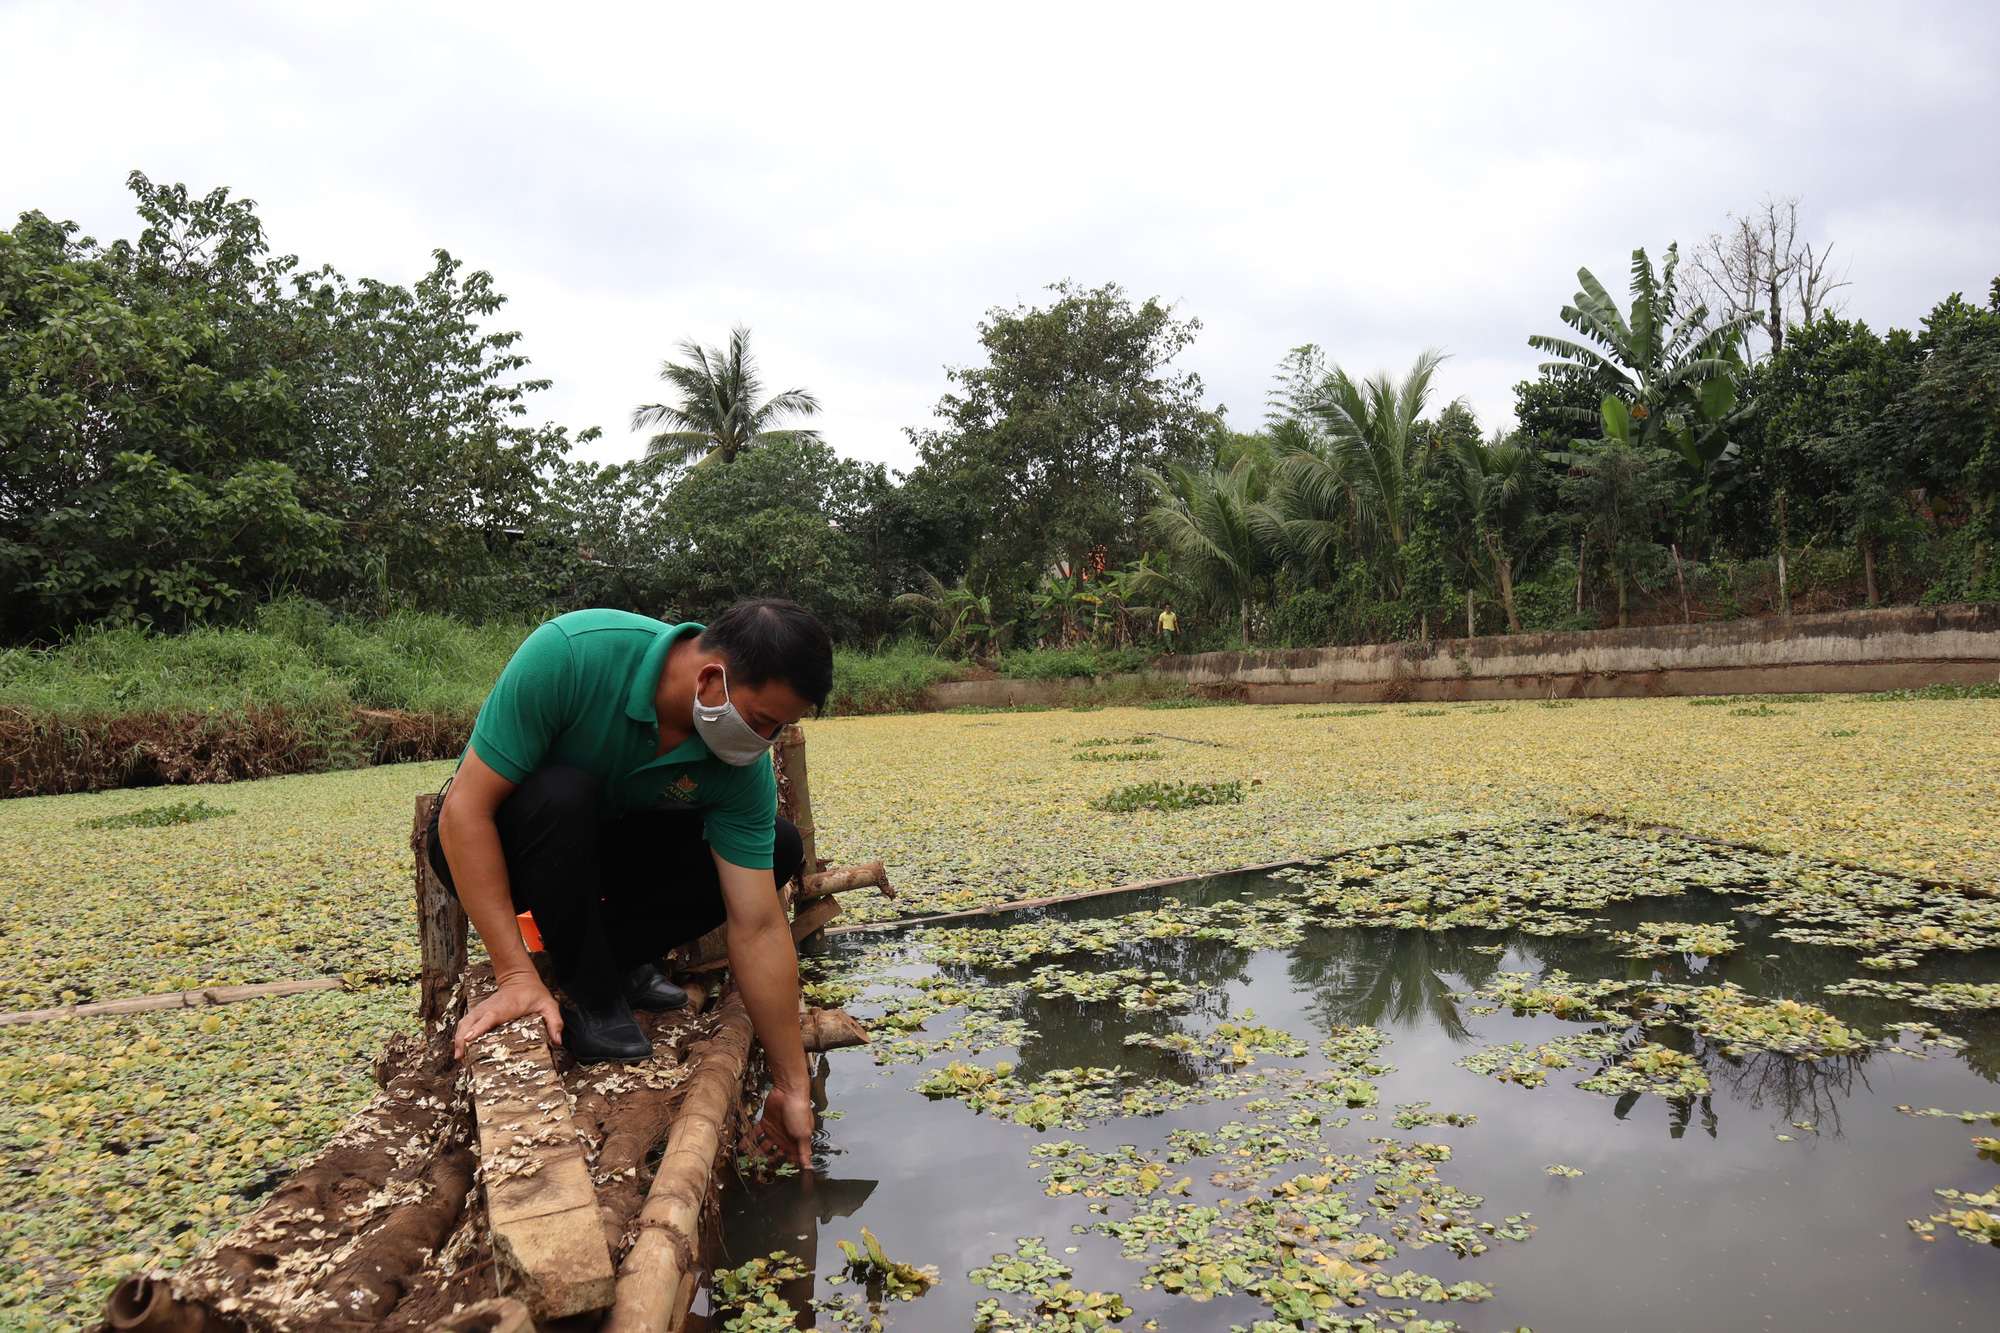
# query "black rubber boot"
(646, 987)
(605, 1033)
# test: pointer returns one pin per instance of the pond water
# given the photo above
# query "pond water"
(1774, 1197)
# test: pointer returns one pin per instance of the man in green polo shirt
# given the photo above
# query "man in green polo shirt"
(618, 785)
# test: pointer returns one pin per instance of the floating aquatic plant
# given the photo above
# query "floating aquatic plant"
(159, 816)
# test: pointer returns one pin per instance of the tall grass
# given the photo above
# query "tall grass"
(1073, 663)
(293, 655)
(890, 681)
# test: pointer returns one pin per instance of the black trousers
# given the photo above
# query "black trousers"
(607, 897)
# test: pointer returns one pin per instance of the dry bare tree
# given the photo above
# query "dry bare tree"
(1759, 266)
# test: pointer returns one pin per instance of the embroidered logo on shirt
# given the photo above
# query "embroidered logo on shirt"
(683, 790)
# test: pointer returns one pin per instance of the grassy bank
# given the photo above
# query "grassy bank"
(296, 691)
(299, 691)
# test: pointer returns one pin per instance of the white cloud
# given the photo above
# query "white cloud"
(860, 183)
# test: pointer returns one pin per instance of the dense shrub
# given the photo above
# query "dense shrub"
(893, 680)
(292, 655)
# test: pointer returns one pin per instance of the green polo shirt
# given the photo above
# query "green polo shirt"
(579, 691)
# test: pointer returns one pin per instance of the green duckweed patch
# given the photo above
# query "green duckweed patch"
(1171, 795)
(159, 816)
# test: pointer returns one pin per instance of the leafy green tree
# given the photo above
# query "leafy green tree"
(908, 529)
(1621, 487)
(1674, 368)
(772, 524)
(1831, 442)
(719, 413)
(190, 424)
(1051, 439)
(1351, 466)
(1951, 417)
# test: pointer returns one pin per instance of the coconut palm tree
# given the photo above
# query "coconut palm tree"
(1353, 481)
(1493, 483)
(719, 414)
(1217, 528)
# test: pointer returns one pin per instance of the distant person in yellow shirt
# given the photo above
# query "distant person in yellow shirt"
(1170, 625)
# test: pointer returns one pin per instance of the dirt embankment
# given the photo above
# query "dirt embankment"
(45, 754)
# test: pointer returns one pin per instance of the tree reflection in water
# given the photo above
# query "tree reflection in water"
(1398, 977)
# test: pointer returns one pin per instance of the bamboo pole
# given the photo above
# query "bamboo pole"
(1022, 904)
(180, 999)
(871, 876)
(664, 1255)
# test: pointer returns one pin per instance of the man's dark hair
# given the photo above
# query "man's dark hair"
(762, 637)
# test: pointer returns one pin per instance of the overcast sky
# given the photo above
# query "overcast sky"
(859, 183)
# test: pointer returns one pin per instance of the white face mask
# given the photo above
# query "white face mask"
(725, 733)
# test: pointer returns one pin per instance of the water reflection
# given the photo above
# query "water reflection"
(1384, 978)
(1692, 1227)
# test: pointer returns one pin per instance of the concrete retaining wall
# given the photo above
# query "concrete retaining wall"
(1844, 652)
(1001, 693)
(1841, 652)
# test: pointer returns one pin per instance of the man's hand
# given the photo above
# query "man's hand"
(786, 1129)
(519, 997)
(766, 968)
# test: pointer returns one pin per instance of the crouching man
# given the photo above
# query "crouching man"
(619, 786)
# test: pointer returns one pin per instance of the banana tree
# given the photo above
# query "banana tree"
(1675, 370)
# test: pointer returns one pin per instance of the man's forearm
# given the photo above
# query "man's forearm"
(479, 873)
(766, 966)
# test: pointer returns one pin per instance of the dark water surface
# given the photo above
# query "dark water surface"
(1689, 1215)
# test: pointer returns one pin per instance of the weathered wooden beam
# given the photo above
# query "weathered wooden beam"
(790, 758)
(871, 876)
(658, 1264)
(441, 925)
(549, 1249)
(813, 916)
